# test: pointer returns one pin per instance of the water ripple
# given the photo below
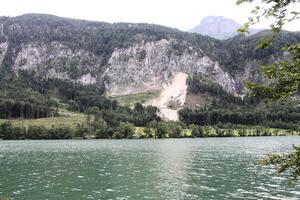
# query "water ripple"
(209, 168)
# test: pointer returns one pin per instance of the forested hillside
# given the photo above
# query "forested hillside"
(224, 109)
(48, 64)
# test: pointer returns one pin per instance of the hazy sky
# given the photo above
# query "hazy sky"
(181, 14)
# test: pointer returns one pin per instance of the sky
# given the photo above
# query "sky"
(181, 14)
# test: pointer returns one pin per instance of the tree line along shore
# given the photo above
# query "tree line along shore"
(79, 126)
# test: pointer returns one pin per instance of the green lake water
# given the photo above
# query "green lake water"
(205, 168)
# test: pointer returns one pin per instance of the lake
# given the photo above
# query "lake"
(203, 168)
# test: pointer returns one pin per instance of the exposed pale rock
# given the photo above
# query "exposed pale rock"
(56, 60)
(147, 66)
(87, 79)
(172, 97)
(3, 50)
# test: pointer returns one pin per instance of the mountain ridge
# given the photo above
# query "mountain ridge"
(219, 27)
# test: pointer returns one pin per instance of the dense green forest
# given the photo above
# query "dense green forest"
(18, 100)
(228, 109)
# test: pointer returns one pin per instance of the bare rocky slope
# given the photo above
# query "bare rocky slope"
(128, 58)
(172, 98)
(148, 66)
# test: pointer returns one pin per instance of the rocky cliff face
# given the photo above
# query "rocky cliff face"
(148, 66)
(3, 49)
(143, 67)
(56, 60)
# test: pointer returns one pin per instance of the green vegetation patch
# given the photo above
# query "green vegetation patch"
(139, 131)
(68, 119)
(130, 100)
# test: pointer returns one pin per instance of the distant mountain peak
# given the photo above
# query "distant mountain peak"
(218, 27)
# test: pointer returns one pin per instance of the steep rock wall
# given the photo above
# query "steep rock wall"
(56, 60)
(147, 66)
(3, 50)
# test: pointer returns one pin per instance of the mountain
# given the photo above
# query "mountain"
(218, 27)
(76, 61)
(126, 58)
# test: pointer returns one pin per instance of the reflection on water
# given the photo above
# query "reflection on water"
(210, 168)
(174, 162)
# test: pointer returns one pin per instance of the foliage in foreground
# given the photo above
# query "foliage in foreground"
(283, 76)
(285, 162)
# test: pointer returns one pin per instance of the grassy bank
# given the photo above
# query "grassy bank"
(130, 100)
